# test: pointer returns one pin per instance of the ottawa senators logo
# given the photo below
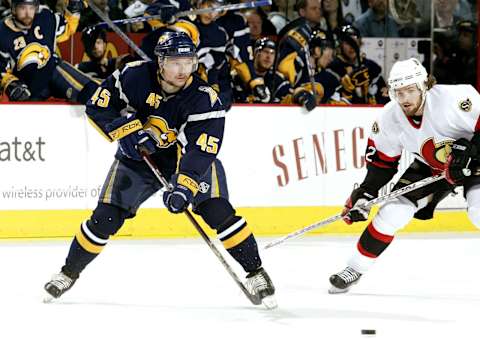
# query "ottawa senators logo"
(34, 53)
(436, 154)
(465, 105)
(158, 128)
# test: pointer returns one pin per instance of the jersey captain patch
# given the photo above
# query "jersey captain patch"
(375, 128)
(465, 105)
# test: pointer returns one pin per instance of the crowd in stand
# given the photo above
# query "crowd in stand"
(305, 52)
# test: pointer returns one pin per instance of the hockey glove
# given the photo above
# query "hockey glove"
(17, 91)
(353, 212)
(306, 99)
(179, 198)
(76, 6)
(167, 12)
(130, 135)
(458, 161)
(261, 93)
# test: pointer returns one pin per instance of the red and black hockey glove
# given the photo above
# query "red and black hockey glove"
(456, 170)
(353, 211)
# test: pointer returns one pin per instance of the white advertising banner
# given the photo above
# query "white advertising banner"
(52, 158)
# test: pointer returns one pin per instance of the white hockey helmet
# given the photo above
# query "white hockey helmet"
(407, 72)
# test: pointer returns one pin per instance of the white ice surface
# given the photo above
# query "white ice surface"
(421, 288)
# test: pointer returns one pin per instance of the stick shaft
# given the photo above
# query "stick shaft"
(394, 194)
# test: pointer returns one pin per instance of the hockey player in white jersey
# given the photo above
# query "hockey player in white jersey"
(440, 126)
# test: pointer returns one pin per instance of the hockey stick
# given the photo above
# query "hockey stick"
(156, 171)
(117, 30)
(311, 70)
(387, 197)
(232, 7)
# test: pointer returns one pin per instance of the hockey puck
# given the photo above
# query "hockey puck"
(369, 332)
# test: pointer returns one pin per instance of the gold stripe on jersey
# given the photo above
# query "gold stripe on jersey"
(71, 27)
(10, 24)
(72, 81)
(34, 53)
(105, 135)
(287, 67)
(238, 238)
(215, 190)
(87, 244)
(242, 70)
(107, 197)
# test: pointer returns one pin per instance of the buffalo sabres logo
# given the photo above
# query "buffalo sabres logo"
(34, 53)
(465, 105)
(436, 154)
(158, 128)
(375, 128)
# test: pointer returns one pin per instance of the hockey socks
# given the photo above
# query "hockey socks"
(372, 243)
(84, 248)
(240, 243)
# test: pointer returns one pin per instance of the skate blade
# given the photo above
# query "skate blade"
(335, 290)
(270, 302)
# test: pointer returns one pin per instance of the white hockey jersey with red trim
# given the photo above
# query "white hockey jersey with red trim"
(451, 112)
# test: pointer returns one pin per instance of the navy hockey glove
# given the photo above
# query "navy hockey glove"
(130, 135)
(353, 211)
(261, 92)
(76, 6)
(17, 91)
(167, 12)
(179, 198)
(306, 99)
(463, 151)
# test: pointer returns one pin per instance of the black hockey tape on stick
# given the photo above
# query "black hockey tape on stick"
(256, 300)
(117, 30)
(232, 7)
(394, 194)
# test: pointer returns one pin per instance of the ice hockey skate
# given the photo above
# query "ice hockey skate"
(57, 286)
(342, 281)
(259, 284)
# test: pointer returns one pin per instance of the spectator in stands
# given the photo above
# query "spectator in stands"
(90, 18)
(259, 25)
(361, 79)
(332, 12)
(464, 59)
(264, 50)
(309, 11)
(99, 66)
(443, 62)
(376, 22)
(445, 17)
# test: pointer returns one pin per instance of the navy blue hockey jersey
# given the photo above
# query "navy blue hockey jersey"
(193, 118)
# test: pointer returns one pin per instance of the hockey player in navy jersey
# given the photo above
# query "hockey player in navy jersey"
(440, 126)
(163, 107)
(360, 77)
(29, 67)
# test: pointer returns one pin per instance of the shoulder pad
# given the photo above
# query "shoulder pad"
(297, 37)
(213, 95)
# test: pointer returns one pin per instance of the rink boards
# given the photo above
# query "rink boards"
(286, 169)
